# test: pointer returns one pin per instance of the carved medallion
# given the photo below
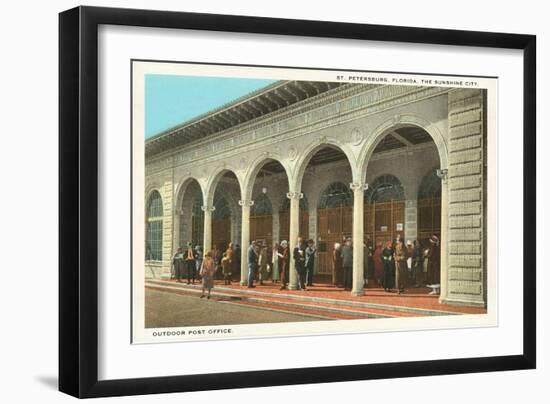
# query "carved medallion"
(356, 136)
(292, 152)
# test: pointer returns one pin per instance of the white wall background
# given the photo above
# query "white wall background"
(28, 174)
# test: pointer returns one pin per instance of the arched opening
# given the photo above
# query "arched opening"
(401, 201)
(335, 220)
(226, 216)
(190, 226)
(221, 222)
(327, 179)
(153, 227)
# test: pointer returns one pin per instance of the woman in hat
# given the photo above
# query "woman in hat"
(284, 256)
(337, 278)
(275, 264)
(378, 264)
(434, 261)
(207, 271)
(389, 267)
(262, 263)
(400, 257)
(227, 264)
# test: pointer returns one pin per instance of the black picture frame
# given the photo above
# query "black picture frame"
(78, 200)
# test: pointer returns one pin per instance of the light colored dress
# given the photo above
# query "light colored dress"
(275, 265)
(208, 269)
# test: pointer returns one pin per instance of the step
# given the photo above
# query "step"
(341, 311)
(315, 299)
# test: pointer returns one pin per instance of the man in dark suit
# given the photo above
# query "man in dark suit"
(310, 261)
(252, 261)
(190, 262)
(299, 256)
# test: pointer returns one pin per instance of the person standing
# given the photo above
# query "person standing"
(217, 254)
(178, 265)
(400, 257)
(365, 264)
(434, 261)
(368, 260)
(337, 265)
(389, 267)
(207, 271)
(252, 261)
(198, 260)
(236, 265)
(347, 264)
(262, 263)
(410, 262)
(310, 261)
(418, 258)
(284, 259)
(190, 262)
(275, 263)
(299, 255)
(227, 264)
(378, 264)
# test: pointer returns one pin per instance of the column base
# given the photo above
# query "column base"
(358, 292)
(243, 283)
(292, 287)
(463, 302)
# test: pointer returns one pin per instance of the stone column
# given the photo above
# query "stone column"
(411, 220)
(167, 195)
(276, 227)
(358, 250)
(313, 234)
(245, 238)
(294, 232)
(444, 236)
(207, 232)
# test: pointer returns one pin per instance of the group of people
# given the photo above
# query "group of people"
(264, 263)
(393, 266)
(192, 264)
(396, 265)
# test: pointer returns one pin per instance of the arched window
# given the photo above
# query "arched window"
(221, 206)
(153, 229)
(197, 222)
(336, 195)
(384, 189)
(262, 206)
(430, 185)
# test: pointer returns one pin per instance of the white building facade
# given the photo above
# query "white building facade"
(326, 161)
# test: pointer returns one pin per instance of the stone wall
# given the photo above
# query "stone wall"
(466, 214)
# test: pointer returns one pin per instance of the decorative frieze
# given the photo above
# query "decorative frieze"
(303, 120)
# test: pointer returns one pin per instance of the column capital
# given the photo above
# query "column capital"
(442, 173)
(294, 195)
(246, 202)
(363, 186)
(207, 208)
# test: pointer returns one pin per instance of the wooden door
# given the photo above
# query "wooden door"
(333, 224)
(284, 226)
(429, 217)
(384, 221)
(221, 233)
(261, 228)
